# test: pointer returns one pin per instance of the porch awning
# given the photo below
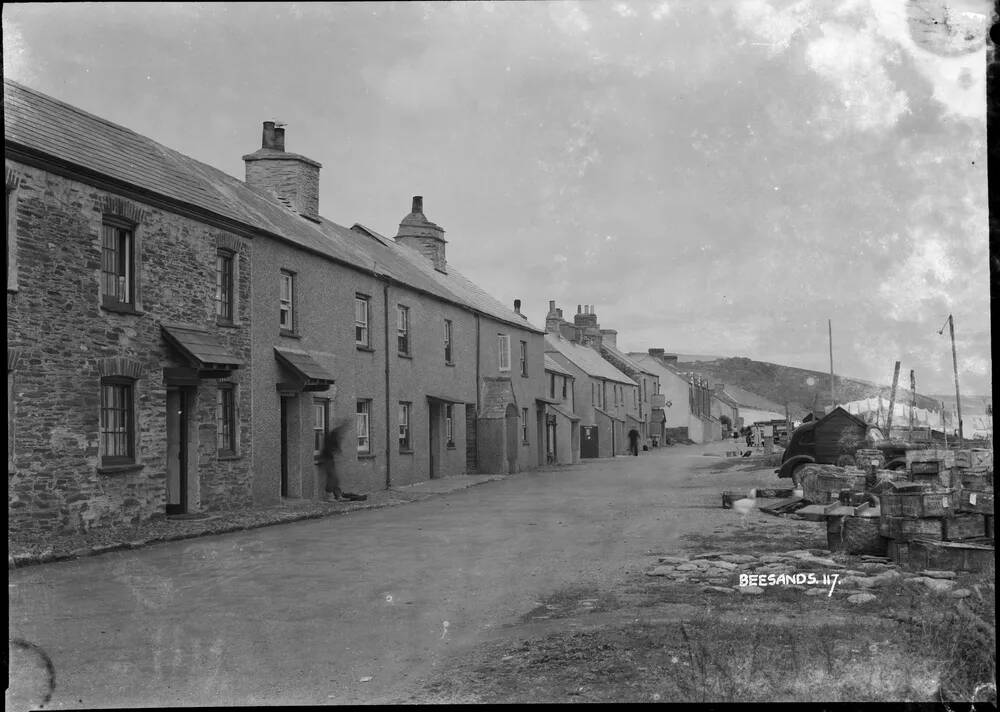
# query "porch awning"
(311, 376)
(203, 350)
(447, 399)
(548, 401)
(565, 413)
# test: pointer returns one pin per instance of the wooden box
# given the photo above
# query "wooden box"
(989, 525)
(907, 528)
(950, 556)
(963, 526)
(967, 500)
(967, 479)
(925, 468)
(945, 457)
(975, 457)
(918, 504)
(898, 551)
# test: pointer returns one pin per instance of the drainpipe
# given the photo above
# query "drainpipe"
(388, 412)
(477, 378)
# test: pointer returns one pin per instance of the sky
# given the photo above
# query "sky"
(714, 178)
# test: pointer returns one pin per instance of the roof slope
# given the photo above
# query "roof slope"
(61, 131)
(552, 365)
(654, 366)
(747, 399)
(627, 360)
(586, 359)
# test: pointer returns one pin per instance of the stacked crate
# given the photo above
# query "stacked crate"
(972, 478)
(932, 505)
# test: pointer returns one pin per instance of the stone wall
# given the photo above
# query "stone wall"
(66, 339)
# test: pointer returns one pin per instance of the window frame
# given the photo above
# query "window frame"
(449, 424)
(12, 184)
(319, 433)
(503, 352)
(448, 331)
(286, 305)
(225, 271)
(524, 426)
(405, 412)
(121, 233)
(403, 330)
(226, 443)
(105, 433)
(363, 410)
(362, 327)
(524, 359)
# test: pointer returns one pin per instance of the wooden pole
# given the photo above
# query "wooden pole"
(913, 399)
(958, 397)
(944, 427)
(833, 397)
(892, 402)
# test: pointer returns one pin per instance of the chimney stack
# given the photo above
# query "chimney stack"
(419, 233)
(609, 337)
(553, 319)
(517, 306)
(289, 177)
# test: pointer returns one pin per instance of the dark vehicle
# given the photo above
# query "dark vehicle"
(834, 439)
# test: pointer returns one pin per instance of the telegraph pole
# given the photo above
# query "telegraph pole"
(833, 397)
(958, 397)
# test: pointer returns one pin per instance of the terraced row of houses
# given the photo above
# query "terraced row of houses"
(179, 340)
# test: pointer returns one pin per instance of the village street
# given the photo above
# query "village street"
(302, 613)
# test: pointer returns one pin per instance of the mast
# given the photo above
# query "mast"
(892, 402)
(958, 397)
(833, 397)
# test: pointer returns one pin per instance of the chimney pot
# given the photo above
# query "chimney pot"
(418, 204)
(267, 139)
(552, 305)
(279, 138)
(517, 306)
(579, 309)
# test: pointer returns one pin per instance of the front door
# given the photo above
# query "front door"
(588, 441)
(177, 450)
(512, 423)
(434, 435)
(284, 446)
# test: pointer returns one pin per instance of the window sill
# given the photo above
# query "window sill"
(290, 334)
(449, 363)
(525, 443)
(402, 355)
(228, 456)
(405, 452)
(362, 347)
(366, 456)
(121, 309)
(228, 324)
(118, 469)
(450, 446)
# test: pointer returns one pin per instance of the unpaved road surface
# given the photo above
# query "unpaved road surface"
(364, 607)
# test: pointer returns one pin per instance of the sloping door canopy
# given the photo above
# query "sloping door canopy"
(309, 375)
(206, 354)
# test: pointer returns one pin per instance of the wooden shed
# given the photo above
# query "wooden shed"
(838, 434)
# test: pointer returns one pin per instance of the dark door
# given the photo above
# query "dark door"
(512, 422)
(177, 450)
(434, 435)
(284, 446)
(588, 441)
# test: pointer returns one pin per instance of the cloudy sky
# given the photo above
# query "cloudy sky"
(716, 178)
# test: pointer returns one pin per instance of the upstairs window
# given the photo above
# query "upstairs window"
(524, 358)
(552, 385)
(224, 273)
(403, 329)
(362, 306)
(286, 308)
(447, 341)
(117, 265)
(503, 348)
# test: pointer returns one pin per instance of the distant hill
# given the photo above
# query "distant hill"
(800, 388)
(971, 403)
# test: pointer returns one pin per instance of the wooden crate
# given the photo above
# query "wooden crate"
(963, 526)
(950, 556)
(925, 468)
(868, 457)
(898, 551)
(947, 457)
(967, 479)
(975, 457)
(989, 525)
(907, 528)
(967, 500)
(918, 504)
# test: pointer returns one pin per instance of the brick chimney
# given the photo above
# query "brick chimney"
(421, 234)
(554, 319)
(588, 329)
(609, 337)
(662, 357)
(291, 178)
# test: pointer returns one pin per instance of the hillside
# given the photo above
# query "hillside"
(800, 388)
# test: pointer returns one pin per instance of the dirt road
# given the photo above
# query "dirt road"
(365, 607)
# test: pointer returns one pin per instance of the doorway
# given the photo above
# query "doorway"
(511, 421)
(178, 405)
(434, 434)
(588, 441)
(284, 446)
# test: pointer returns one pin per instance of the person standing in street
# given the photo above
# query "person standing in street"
(633, 441)
(331, 446)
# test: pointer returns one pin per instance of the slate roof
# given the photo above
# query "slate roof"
(551, 365)
(58, 130)
(627, 360)
(586, 359)
(651, 364)
(304, 366)
(747, 399)
(201, 348)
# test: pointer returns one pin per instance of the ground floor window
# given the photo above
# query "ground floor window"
(524, 425)
(321, 420)
(117, 421)
(225, 415)
(363, 426)
(404, 426)
(449, 424)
